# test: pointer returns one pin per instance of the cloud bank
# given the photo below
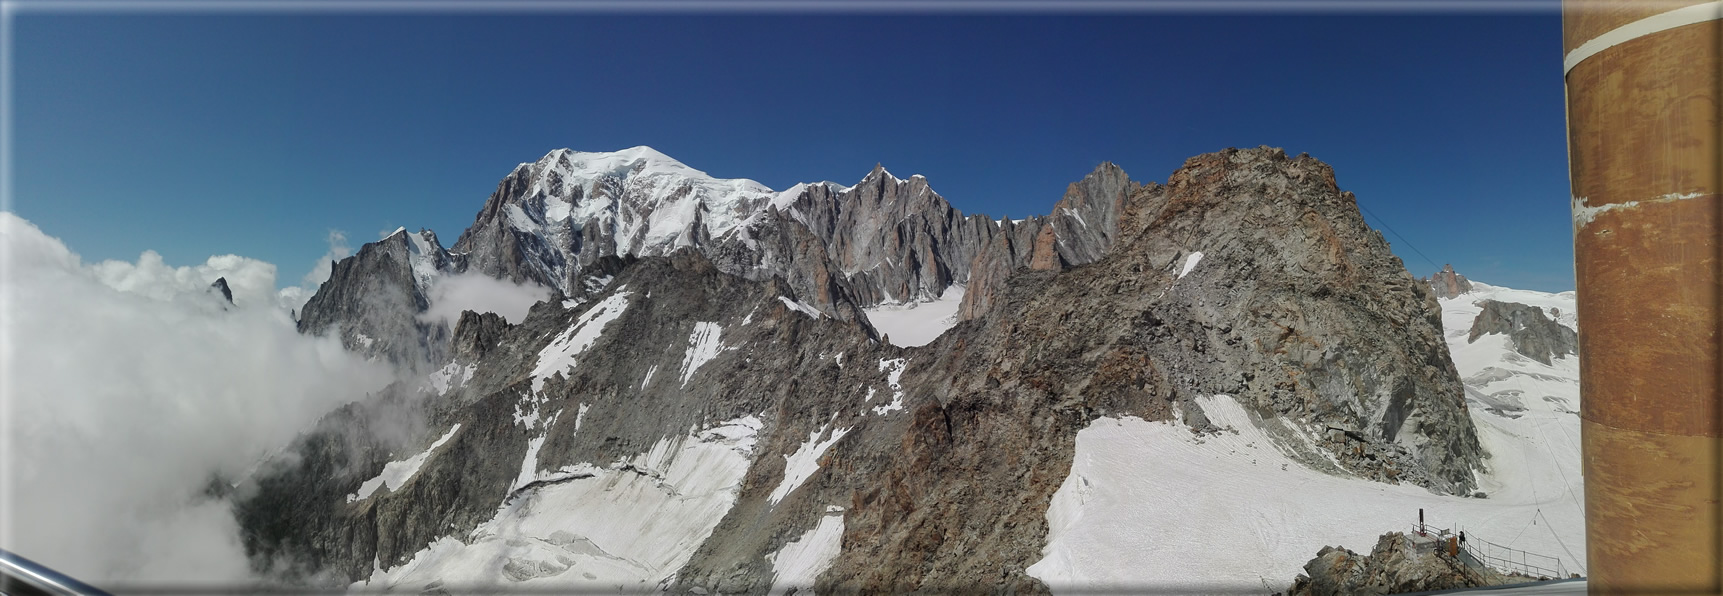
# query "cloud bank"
(481, 293)
(125, 386)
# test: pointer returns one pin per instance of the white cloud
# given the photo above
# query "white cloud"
(481, 293)
(252, 281)
(121, 392)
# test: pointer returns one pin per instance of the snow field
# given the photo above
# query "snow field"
(1151, 505)
(676, 195)
(625, 527)
(917, 323)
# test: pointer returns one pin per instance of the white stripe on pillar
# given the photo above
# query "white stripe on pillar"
(1698, 13)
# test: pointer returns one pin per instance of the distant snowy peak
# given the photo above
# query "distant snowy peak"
(581, 186)
(1448, 284)
(551, 218)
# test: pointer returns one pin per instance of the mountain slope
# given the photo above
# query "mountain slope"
(752, 440)
(1125, 516)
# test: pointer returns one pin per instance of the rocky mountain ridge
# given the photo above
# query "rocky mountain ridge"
(553, 221)
(733, 388)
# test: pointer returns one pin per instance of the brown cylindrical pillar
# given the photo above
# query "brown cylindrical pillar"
(1644, 120)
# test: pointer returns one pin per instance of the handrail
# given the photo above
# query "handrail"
(1502, 558)
(18, 572)
(1544, 565)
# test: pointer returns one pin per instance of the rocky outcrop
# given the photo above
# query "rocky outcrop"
(774, 245)
(1397, 565)
(219, 287)
(1448, 284)
(475, 334)
(1251, 275)
(1533, 334)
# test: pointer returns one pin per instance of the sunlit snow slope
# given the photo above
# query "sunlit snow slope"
(624, 527)
(1151, 505)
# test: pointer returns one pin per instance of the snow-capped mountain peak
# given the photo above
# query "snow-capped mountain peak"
(637, 200)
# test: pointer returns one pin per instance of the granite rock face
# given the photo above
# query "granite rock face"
(1249, 274)
(1533, 334)
(372, 300)
(1448, 284)
(1084, 225)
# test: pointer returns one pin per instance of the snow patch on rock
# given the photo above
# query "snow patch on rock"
(800, 561)
(801, 307)
(450, 376)
(804, 462)
(1190, 263)
(559, 355)
(703, 346)
(895, 365)
(397, 473)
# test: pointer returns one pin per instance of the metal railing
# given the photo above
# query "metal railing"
(1503, 559)
(20, 576)
(1513, 560)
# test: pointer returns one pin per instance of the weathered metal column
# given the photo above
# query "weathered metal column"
(1644, 117)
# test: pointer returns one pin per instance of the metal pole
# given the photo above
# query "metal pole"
(1643, 114)
(19, 575)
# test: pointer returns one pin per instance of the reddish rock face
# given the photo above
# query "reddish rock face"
(1448, 284)
(1045, 258)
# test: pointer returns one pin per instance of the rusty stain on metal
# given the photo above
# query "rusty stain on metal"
(1644, 120)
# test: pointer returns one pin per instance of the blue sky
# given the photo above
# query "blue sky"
(256, 134)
